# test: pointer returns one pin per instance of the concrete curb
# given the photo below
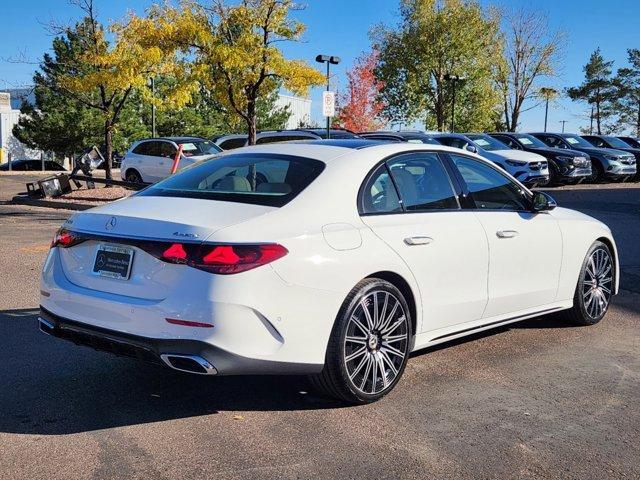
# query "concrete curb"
(36, 202)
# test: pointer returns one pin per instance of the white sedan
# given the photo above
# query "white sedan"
(332, 258)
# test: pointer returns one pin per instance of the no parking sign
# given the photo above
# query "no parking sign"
(328, 104)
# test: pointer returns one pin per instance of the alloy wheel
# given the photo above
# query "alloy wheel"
(597, 283)
(376, 342)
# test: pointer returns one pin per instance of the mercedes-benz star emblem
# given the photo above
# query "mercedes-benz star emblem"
(111, 223)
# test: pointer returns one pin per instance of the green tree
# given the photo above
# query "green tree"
(597, 89)
(627, 84)
(435, 39)
(231, 51)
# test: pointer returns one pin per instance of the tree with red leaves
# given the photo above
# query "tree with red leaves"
(359, 108)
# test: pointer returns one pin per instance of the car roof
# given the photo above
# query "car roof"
(174, 139)
(328, 150)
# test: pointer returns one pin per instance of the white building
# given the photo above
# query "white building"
(9, 116)
(299, 107)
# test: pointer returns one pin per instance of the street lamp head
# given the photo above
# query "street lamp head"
(328, 58)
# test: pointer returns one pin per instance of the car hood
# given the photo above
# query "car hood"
(520, 155)
(560, 151)
(602, 151)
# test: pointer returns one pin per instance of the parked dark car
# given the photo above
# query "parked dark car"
(608, 141)
(334, 133)
(28, 165)
(633, 141)
(565, 166)
(606, 163)
(400, 136)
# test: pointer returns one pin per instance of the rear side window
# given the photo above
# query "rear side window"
(260, 179)
(490, 189)
(282, 138)
(379, 194)
(233, 143)
(147, 148)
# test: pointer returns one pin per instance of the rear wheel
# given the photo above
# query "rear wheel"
(369, 344)
(595, 287)
(133, 176)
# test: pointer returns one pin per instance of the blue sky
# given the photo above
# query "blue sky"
(341, 27)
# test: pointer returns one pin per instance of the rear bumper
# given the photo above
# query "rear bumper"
(153, 350)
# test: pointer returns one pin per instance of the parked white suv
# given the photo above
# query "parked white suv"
(150, 160)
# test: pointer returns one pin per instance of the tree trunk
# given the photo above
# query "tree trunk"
(251, 122)
(638, 121)
(108, 146)
(598, 113)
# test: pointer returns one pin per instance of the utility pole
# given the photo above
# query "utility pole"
(453, 79)
(563, 122)
(548, 94)
(329, 60)
(591, 122)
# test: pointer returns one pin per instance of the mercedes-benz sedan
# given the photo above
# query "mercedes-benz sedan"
(333, 258)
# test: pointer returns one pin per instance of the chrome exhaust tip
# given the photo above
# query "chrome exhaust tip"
(45, 326)
(188, 363)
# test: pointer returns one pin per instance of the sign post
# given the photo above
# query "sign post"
(328, 98)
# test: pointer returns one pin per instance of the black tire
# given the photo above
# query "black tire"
(597, 172)
(346, 379)
(554, 176)
(132, 175)
(583, 312)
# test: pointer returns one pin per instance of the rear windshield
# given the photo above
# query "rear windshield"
(256, 178)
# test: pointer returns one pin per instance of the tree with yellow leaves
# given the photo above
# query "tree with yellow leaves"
(231, 50)
(103, 75)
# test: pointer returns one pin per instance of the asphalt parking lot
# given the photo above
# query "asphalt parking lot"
(539, 399)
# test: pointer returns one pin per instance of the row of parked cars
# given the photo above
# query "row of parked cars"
(535, 159)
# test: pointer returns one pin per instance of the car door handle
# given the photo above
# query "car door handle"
(418, 241)
(507, 233)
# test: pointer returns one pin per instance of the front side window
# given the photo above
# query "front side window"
(166, 150)
(423, 182)
(260, 179)
(490, 189)
(145, 148)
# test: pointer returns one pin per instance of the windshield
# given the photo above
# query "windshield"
(616, 142)
(577, 141)
(194, 148)
(256, 178)
(529, 140)
(486, 142)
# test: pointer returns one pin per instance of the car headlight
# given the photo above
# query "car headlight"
(515, 163)
(612, 158)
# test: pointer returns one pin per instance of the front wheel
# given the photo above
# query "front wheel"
(133, 176)
(595, 286)
(369, 344)
(597, 172)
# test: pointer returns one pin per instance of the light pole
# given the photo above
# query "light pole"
(453, 79)
(152, 85)
(563, 122)
(328, 60)
(548, 94)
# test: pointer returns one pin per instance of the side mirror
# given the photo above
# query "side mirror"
(542, 202)
(471, 148)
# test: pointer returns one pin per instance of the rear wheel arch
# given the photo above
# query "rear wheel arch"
(401, 284)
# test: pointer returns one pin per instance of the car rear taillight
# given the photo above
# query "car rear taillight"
(223, 259)
(65, 238)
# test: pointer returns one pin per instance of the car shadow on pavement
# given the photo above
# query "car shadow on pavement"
(49, 386)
